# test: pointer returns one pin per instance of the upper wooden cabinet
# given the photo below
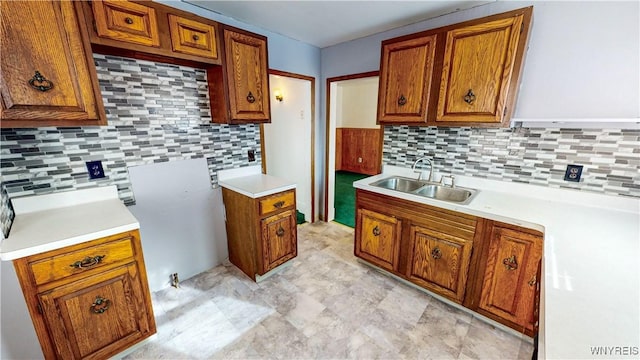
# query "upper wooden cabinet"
(239, 89)
(477, 70)
(151, 31)
(126, 21)
(47, 75)
(464, 74)
(405, 79)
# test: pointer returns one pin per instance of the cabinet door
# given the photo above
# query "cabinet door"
(192, 37)
(47, 73)
(477, 70)
(510, 277)
(378, 238)
(126, 21)
(279, 239)
(248, 83)
(439, 261)
(98, 316)
(405, 80)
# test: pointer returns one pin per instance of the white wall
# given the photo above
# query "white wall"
(287, 139)
(357, 101)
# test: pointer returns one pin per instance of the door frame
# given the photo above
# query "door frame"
(313, 132)
(328, 130)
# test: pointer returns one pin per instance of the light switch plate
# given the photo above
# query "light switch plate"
(95, 169)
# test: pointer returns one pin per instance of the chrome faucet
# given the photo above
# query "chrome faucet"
(429, 161)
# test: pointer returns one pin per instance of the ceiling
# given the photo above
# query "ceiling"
(326, 23)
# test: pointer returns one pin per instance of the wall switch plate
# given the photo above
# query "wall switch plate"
(573, 173)
(252, 155)
(95, 169)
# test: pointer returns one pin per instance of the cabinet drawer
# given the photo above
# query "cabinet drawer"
(59, 266)
(192, 37)
(277, 202)
(126, 21)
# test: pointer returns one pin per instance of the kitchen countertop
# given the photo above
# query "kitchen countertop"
(249, 181)
(590, 293)
(52, 221)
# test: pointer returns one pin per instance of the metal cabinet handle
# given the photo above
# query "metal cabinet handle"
(278, 204)
(402, 100)
(470, 97)
(39, 82)
(88, 262)
(128, 20)
(195, 37)
(280, 231)
(436, 253)
(376, 231)
(510, 263)
(100, 305)
(532, 282)
(251, 98)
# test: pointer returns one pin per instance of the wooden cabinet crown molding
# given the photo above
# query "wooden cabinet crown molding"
(471, 78)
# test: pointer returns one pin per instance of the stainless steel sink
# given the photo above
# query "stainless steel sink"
(446, 193)
(431, 190)
(399, 184)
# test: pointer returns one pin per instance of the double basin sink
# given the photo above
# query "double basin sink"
(431, 190)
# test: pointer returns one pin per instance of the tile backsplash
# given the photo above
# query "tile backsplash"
(539, 156)
(156, 112)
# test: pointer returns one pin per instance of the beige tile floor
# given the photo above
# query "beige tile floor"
(325, 305)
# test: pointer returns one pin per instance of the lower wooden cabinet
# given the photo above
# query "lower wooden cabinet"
(378, 238)
(262, 232)
(487, 266)
(99, 308)
(510, 275)
(439, 261)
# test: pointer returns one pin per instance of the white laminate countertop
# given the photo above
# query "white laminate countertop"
(591, 286)
(251, 182)
(52, 221)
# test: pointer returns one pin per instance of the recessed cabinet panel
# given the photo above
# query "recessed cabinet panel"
(510, 276)
(126, 21)
(378, 238)
(279, 239)
(47, 74)
(405, 79)
(439, 261)
(192, 37)
(477, 70)
(246, 63)
(92, 317)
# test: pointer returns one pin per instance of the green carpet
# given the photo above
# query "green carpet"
(345, 197)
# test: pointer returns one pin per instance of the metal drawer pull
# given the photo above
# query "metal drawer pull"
(402, 100)
(532, 282)
(280, 232)
(278, 204)
(436, 253)
(510, 263)
(88, 262)
(100, 305)
(251, 98)
(470, 97)
(39, 82)
(195, 37)
(376, 231)
(128, 20)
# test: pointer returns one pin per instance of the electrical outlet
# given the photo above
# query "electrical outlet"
(573, 173)
(95, 169)
(252, 155)
(359, 160)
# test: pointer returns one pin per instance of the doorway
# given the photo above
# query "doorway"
(354, 141)
(288, 141)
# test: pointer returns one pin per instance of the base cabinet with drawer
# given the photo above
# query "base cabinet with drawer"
(484, 265)
(261, 232)
(91, 300)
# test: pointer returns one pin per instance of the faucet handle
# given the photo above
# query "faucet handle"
(452, 177)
